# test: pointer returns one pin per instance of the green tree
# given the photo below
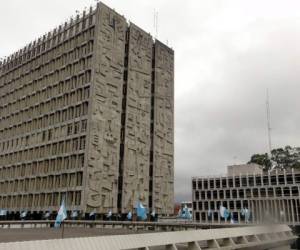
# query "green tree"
(281, 158)
(261, 159)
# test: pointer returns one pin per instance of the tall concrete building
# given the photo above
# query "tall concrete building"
(86, 114)
(269, 197)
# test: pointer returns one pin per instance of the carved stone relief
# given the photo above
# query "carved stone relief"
(137, 131)
(163, 130)
(106, 113)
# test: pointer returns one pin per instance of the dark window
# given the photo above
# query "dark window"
(281, 179)
(237, 181)
(197, 216)
(251, 181)
(221, 193)
(248, 193)
(212, 205)
(227, 192)
(225, 204)
(234, 193)
(208, 195)
(195, 205)
(278, 191)
(258, 180)
(224, 183)
(200, 205)
(289, 179)
(270, 192)
(241, 193)
(215, 194)
(244, 182)
(197, 195)
(206, 205)
(266, 180)
(295, 191)
(230, 182)
(286, 191)
(262, 192)
(194, 185)
(255, 192)
(215, 214)
(203, 195)
(238, 204)
(273, 180)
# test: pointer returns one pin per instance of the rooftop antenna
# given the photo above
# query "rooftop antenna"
(269, 123)
(155, 23)
(273, 163)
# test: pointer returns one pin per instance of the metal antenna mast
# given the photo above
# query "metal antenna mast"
(155, 23)
(269, 122)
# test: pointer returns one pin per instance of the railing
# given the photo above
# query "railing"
(134, 225)
(261, 237)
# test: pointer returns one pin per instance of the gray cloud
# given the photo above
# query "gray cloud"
(227, 54)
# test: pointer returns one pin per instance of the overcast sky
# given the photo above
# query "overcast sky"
(227, 53)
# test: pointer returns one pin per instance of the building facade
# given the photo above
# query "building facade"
(86, 115)
(270, 197)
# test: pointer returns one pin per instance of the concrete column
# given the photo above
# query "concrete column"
(287, 209)
(292, 208)
(260, 210)
(194, 245)
(296, 211)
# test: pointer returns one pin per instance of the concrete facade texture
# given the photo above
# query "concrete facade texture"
(250, 168)
(87, 114)
(272, 197)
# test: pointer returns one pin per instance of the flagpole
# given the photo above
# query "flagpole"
(63, 229)
(63, 224)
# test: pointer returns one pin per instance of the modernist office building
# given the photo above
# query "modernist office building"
(270, 197)
(86, 113)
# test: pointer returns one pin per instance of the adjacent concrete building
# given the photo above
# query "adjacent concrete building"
(270, 197)
(87, 113)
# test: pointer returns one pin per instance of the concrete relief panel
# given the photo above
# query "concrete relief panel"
(163, 139)
(103, 155)
(138, 111)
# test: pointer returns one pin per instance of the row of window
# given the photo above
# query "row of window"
(43, 167)
(231, 204)
(43, 200)
(51, 46)
(45, 75)
(58, 103)
(215, 205)
(246, 181)
(45, 136)
(45, 87)
(47, 120)
(247, 193)
(262, 211)
(51, 149)
(37, 82)
(40, 184)
(71, 98)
